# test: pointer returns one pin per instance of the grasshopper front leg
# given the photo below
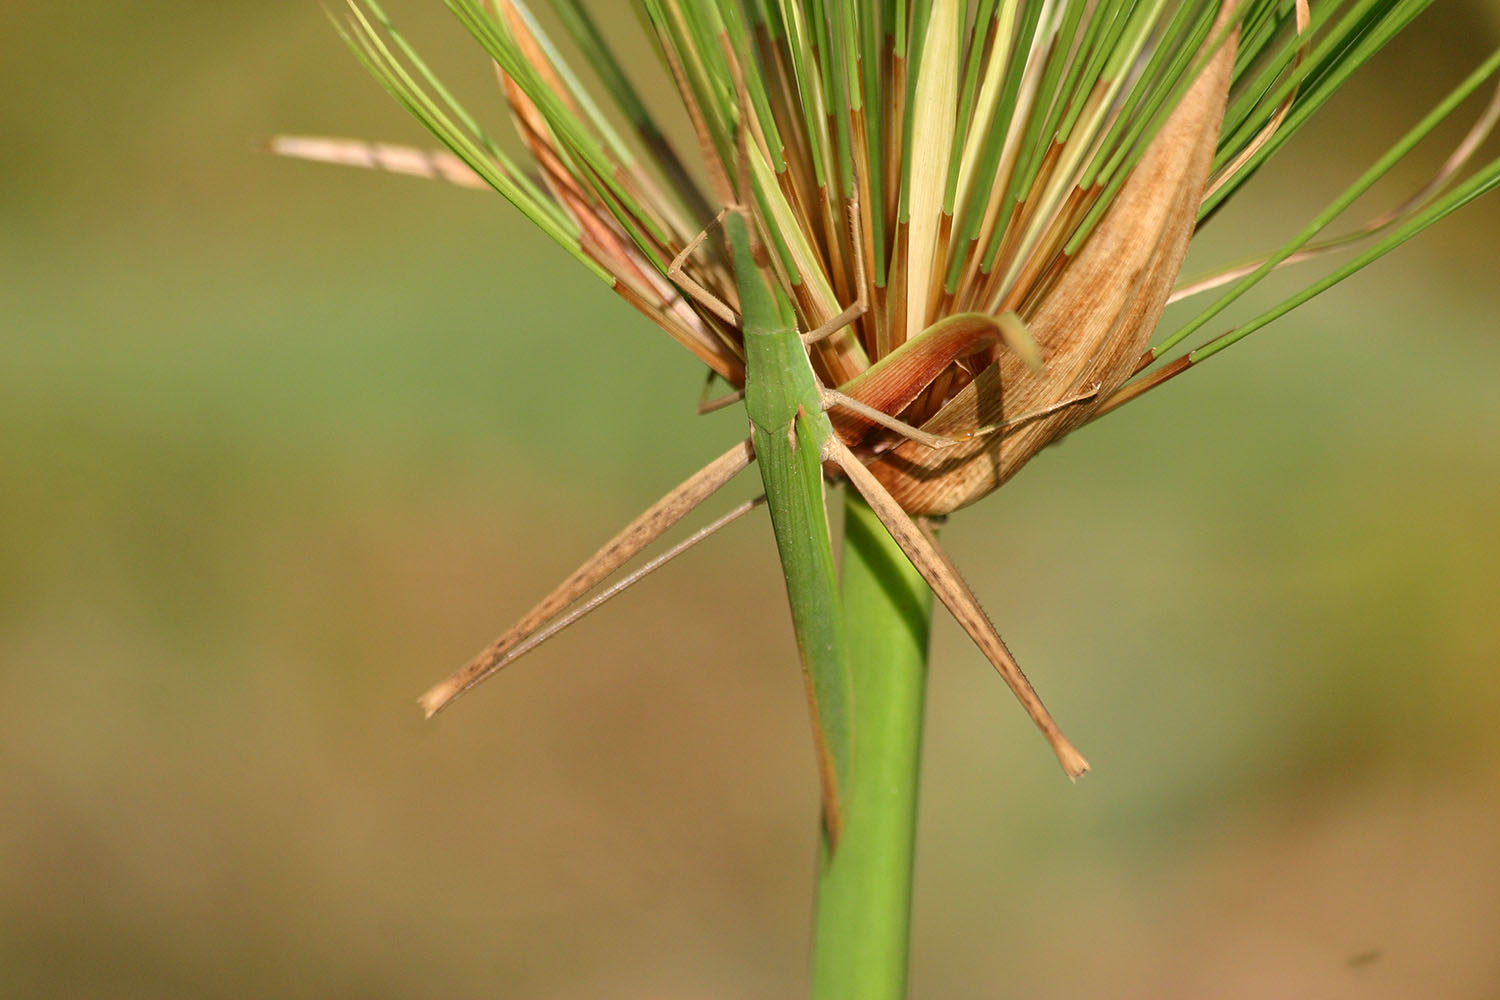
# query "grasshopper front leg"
(639, 533)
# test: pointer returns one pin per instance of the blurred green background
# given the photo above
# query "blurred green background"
(282, 444)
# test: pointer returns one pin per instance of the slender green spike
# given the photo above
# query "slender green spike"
(1200, 46)
(576, 135)
(1036, 141)
(872, 101)
(382, 63)
(1342, 202)
(967, 95)
(988, 181)
(1175, 56)
(1257, 99)
(1482, 182)
(1320, 80)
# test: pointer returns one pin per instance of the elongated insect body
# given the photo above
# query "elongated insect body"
(1015, 221)
(791, 468)
(790, 432)
(791, 439)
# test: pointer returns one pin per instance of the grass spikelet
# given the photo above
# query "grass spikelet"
(929, 158)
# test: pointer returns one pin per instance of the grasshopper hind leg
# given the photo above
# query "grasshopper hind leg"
(944, 579)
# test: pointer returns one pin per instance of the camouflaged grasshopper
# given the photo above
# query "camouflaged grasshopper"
(986, 201)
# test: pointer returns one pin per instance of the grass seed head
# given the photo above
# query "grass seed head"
(1038, 164)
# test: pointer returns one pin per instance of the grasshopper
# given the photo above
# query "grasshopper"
(798, 428)
(792, 438)
(1093, 278)
(796, 424)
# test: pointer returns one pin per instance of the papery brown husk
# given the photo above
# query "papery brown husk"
(1092, 325)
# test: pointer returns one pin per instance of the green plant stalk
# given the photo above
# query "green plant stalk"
(863, 923)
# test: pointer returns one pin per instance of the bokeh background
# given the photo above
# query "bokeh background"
(281, 444)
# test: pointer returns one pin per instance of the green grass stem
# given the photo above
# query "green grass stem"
(861, 942)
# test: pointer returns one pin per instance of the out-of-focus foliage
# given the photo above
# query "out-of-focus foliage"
(280, 444)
